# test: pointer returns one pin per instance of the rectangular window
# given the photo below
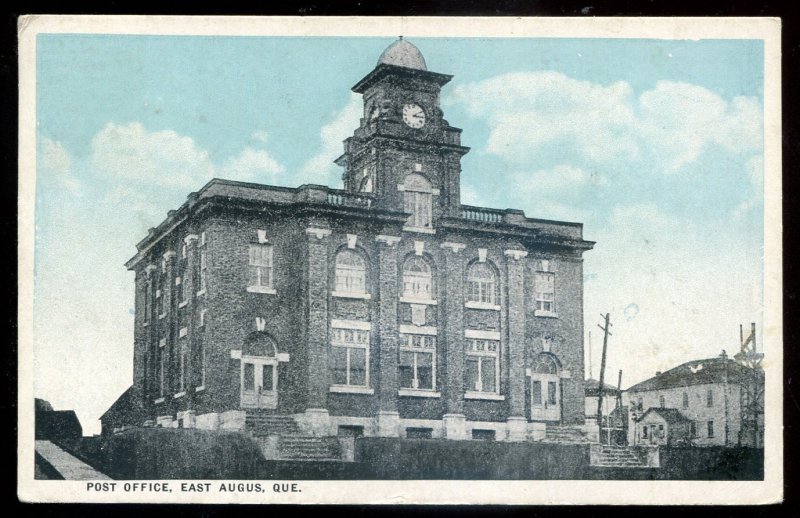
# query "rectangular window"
(203, 267)
(551, 392)
(249, 383)
(640, 404)
(202, 357)
(661, 402)
(482, 365)
(693, 429)
(545, 291)
(710, 398)
(260, 269)
(710, 426)
(162, 367)
(419, 205)
(184, 354)
(644, 432)
(349, 357)
(183, 285)
(417, 364)
(537, 393)
(685, 400)
(148, 304)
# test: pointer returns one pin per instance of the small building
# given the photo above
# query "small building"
(663, 427)
(55, 425)
(709, 393)
(125, 411)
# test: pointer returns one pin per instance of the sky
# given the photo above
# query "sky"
(656, 146)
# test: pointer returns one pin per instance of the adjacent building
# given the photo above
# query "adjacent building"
(698, 402)
(384, 308)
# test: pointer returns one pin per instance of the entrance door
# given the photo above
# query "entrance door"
(545, 389)
(545, 401)
(259, 382)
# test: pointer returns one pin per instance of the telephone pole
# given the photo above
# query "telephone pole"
(606, 334)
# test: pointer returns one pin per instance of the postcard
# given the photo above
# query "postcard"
(402, 260)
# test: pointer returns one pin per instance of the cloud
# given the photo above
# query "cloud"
(668, 126)
(320, 168)
(260, 136)
(159, 158)
(55, 162)
(251, 165)
(560, 177)
(167, 159)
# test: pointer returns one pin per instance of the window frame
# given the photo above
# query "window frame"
(410, 277)
(261, 265)
(477, 287)
(544, 301)
(344, 272)
(471, 350)
(336, 342)
(407, 346)
(418, 202)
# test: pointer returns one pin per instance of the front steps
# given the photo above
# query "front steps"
(281, 438)
(617, 457)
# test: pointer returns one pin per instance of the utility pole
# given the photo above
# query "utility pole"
(606, 334)
(619, 390)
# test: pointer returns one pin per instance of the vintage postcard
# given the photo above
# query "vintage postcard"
(400, 260)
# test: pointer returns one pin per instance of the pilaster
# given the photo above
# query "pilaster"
(453, 336)
(515, 270)
(388, 383)
(317, 308)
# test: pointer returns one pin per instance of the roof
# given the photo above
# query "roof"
(670, 415)
(123, 405)
(591, 385)
(401, 53)
(696, 372)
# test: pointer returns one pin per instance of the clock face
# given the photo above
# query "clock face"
(413, 115)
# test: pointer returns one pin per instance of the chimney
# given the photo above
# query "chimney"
(658, 373)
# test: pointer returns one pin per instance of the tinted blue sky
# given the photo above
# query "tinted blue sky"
(655, 145)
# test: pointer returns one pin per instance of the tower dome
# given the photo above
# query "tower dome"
(401, 53)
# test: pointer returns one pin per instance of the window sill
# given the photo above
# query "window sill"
(261, 289)
(471, 304)
(159, 400)
(546, 314)
(162, 315)
(418, 393)
(484, 395)
(200, 388)
(145, 324)
(201, 293)
(183, 304)
(345, 295)
(179, 395)
(414, 300)
(345, 389)
(421, 230)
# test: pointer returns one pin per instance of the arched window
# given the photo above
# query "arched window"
(351, 273)
(481, 284)
(418, 201)
(417, 279)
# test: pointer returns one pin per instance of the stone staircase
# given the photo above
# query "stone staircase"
(262, 425)
(565, 434)
(281, 433)
(617, 457)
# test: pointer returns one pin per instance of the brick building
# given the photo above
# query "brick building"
(708, 394)
(385, 308)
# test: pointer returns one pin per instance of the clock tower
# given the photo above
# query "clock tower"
(404, 153)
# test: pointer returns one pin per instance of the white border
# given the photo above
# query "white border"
(421, 492)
